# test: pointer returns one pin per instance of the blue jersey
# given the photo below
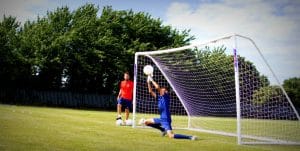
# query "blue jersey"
(164, 107)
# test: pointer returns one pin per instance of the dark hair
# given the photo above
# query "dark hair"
(164, 87)
(126, 72)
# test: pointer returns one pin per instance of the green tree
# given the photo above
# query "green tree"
(83, 60)
(89, 51)
(15, 68)
(220, 67)
(216, 69)
(122, 33)
(267, 94)
(292, 87)
(45, 40)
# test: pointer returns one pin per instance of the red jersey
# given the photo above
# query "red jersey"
(126, 88)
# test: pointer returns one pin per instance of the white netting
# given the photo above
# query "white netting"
(146, 106)
(203, 97)
(267, 116)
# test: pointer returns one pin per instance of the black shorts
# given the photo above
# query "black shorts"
(127, 104)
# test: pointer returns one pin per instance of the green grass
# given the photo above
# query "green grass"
(40, 128)
(280, 129)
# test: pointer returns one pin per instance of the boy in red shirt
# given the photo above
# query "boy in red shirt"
(125, 96)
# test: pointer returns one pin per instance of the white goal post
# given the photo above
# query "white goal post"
(222, 86)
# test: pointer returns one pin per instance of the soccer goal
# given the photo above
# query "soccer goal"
(223, 86)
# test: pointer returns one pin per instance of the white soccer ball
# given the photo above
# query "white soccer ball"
(119, 122)
(128, 122)
(148, 70)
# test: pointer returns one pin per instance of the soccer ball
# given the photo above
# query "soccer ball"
(128, 122)
(119, 122)
(148, 70)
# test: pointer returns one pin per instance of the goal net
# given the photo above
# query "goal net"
(223, 86)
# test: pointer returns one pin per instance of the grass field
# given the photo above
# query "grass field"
(41, 128)
(286, 130)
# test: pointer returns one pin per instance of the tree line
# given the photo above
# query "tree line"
(85, 52)
(253, 85)
(79, 50)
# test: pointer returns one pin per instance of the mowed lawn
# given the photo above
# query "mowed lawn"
(41, 128)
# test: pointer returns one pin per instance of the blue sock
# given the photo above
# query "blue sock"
(180, 136)
(157, 126)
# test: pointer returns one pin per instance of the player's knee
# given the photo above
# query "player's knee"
(147, 123)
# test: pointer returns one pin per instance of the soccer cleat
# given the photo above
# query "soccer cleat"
(142, 121)
(118, 118)
(193, 138)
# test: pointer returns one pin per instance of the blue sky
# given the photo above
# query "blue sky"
(273, 24)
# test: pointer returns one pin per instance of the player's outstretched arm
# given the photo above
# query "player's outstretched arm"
(155, 85)
(150, 88)
(153, 82)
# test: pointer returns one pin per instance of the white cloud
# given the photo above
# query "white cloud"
(23, 9)
(245, 17)
(274, 26)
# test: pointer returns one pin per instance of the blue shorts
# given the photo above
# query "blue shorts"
(163, 122)
(127, 104)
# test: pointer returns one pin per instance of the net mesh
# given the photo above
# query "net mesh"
(202, 88)
(266, 113)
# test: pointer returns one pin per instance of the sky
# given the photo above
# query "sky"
(274, 25)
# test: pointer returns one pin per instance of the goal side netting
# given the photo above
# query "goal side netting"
(223, 86)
